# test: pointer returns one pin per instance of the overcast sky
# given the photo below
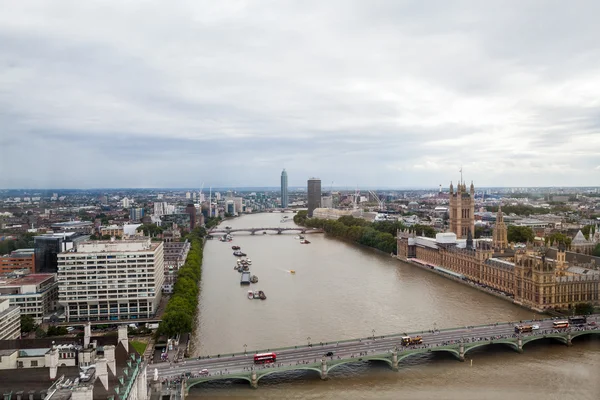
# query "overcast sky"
(368, 93)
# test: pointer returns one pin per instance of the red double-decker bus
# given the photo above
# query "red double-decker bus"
(263, 358)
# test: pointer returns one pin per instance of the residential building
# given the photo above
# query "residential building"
(81, 368)
(284, 189)
(163, 208)
(35, 294)
(175, 256)
(111, 280)
(18, 259)
(49, 245)
(126, 203)
(112, 230)
(314, 195)
(136, 214)
(10, 321)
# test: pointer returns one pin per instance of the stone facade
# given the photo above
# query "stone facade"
(527, 276)
(462, 210)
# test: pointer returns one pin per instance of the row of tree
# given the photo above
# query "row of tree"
(183, 304)
(379, 235)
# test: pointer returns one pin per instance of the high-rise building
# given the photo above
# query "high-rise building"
(284, 189)
(106, 280)
(10, 321)
(462, 210)
(191, 210)
(136, 214)
(314, 195)
(500, 233)
(48, 246)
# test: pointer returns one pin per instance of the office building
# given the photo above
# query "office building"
(10, 321)
(35, 294)
(136, 214)
(111, 280)
(314, 195)
(48, 246)
(284, 189)
(18, 259)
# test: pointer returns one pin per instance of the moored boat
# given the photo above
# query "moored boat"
(238, 253)
(245, 279)
(250, 294)
(254, 279)
(304, 241)
(292, 271)
(235, 247)
(256, 296)
(261, 295)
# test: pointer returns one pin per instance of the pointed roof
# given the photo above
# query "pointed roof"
(579, 238)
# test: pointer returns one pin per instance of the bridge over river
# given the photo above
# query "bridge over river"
(278, 230)
(387, 349)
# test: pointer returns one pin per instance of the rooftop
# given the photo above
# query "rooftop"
(31, 279)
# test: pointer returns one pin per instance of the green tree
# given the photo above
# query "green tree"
(584, 308)
(558, 238)
(300, 217)
(40, 333)
(519, 234)
(27, 323)
(596, 251)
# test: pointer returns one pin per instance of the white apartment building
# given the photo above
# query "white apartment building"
(10, 321)
(111, 280)
(35, 294)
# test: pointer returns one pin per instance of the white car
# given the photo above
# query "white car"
(535, 327)
(204, 372)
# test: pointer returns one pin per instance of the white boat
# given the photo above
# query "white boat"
(250, 294)
(256, 295)
(297, 237)
(249, 261)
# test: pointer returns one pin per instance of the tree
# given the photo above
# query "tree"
(519, 234)
(40, 333)
(559, 238)
(584, 308)
(27, 323)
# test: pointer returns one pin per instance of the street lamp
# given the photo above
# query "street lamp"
(373, 330)
(308, 340)
(245, 345)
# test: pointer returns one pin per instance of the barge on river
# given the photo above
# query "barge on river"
(245, 280)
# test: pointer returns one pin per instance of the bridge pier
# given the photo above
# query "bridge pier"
(461, 352)
(254, 380)
(569, 343)
(324, 369)
(395, 360)
(520, 345)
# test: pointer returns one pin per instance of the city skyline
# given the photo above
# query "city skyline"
(396, 95)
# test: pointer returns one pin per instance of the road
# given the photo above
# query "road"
(240, 363)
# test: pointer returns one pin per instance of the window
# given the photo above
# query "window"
(34, 363)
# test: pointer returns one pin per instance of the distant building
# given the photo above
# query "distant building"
(125, 202)
(111, 280)
(48, 246)
(314, 195)
(580, 244)
(36, 294)
(84, 227)
(191, 210)
(10, 321)
(284, 189)
(112, 230)
(175, 256)
(327, 201)
(136, 214)
(18, 259)
(500, 233)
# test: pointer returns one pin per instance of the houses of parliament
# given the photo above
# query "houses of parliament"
(540, 278)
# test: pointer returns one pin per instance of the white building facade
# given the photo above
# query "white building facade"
(10, 321)
(111, 280)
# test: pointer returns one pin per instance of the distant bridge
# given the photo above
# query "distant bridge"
(278, 230)
(325, 357)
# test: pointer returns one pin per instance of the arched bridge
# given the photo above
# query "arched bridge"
(278, 230)
(325, 357)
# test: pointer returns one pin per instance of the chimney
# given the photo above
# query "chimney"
(51, 360)
(109, 354)
(84, 392)
(102, 372)
(87, 333)
(123, 336)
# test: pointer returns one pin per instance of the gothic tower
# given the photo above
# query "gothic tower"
(500, 234)
(462, 210)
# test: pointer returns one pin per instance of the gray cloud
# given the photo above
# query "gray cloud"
(380, 93)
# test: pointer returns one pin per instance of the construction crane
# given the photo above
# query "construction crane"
(380, 203)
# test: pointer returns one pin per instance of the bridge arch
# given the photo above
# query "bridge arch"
(577, 334)
(359, 359)
(403, 356)
(300, 367)
(556, 337)
(196, 381)
(508, 343)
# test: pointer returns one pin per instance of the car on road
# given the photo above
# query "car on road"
(535, 327)
(329, 354)
(204, 372)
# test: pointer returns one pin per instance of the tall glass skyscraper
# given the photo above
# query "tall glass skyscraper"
(284, 189)
(314, 195)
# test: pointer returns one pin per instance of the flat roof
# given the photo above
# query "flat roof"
(31, 279)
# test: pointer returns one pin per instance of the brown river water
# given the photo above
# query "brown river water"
(341, 291)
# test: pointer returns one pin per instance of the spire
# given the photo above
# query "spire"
(451, 188)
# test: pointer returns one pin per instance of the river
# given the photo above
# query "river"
(342, 291)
